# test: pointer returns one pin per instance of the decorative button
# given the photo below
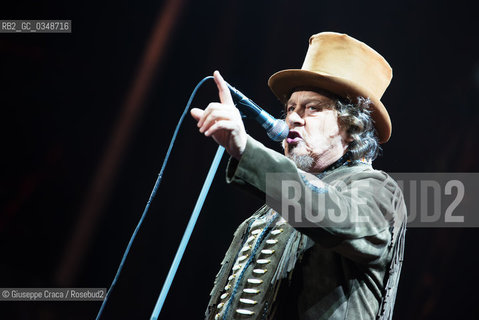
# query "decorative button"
(246, 248)
(245, 312)
(260, 271)
(271, 241)
(281, 222)
(263, 261)
(221, 305)
(237, 267)
(232, 277)
(250, 239)
(242, 258)
(248, 301)
(255, 281)
(217, 316)
(249, 290)
(227, 287)
(275, 232)
(224, 295)
(255, 232)
(267, 251)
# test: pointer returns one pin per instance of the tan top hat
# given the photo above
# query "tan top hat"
(344, 66)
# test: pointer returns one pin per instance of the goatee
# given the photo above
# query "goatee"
(303, 162)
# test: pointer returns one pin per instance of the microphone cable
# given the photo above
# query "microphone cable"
(152, 195)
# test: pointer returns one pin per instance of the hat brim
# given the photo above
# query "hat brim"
(284, 82)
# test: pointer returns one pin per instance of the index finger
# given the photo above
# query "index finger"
(223, 90)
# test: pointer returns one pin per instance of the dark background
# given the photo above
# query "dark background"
(62, 98)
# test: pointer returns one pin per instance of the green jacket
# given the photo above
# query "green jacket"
(312, 268)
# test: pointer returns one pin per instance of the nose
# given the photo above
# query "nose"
(295, 120)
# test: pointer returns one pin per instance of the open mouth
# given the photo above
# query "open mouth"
(293, 137)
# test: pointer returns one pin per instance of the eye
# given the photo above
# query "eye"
(289, 109)
(313, 108)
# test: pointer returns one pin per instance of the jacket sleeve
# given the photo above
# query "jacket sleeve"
(353, 214)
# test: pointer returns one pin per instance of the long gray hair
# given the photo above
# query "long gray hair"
(356, 119)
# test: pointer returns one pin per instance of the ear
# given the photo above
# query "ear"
(347, 138)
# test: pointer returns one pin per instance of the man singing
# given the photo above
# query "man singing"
(335, 252)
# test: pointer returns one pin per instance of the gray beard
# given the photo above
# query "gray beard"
(303, 162)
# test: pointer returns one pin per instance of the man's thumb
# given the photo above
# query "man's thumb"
(196, 113)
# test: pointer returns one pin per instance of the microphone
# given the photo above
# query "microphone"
(276, 129)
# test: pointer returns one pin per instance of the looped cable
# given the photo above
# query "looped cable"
(152, 195)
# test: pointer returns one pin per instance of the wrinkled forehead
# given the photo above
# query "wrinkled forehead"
(308, 93)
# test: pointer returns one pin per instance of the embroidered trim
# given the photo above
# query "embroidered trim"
(265, 231)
